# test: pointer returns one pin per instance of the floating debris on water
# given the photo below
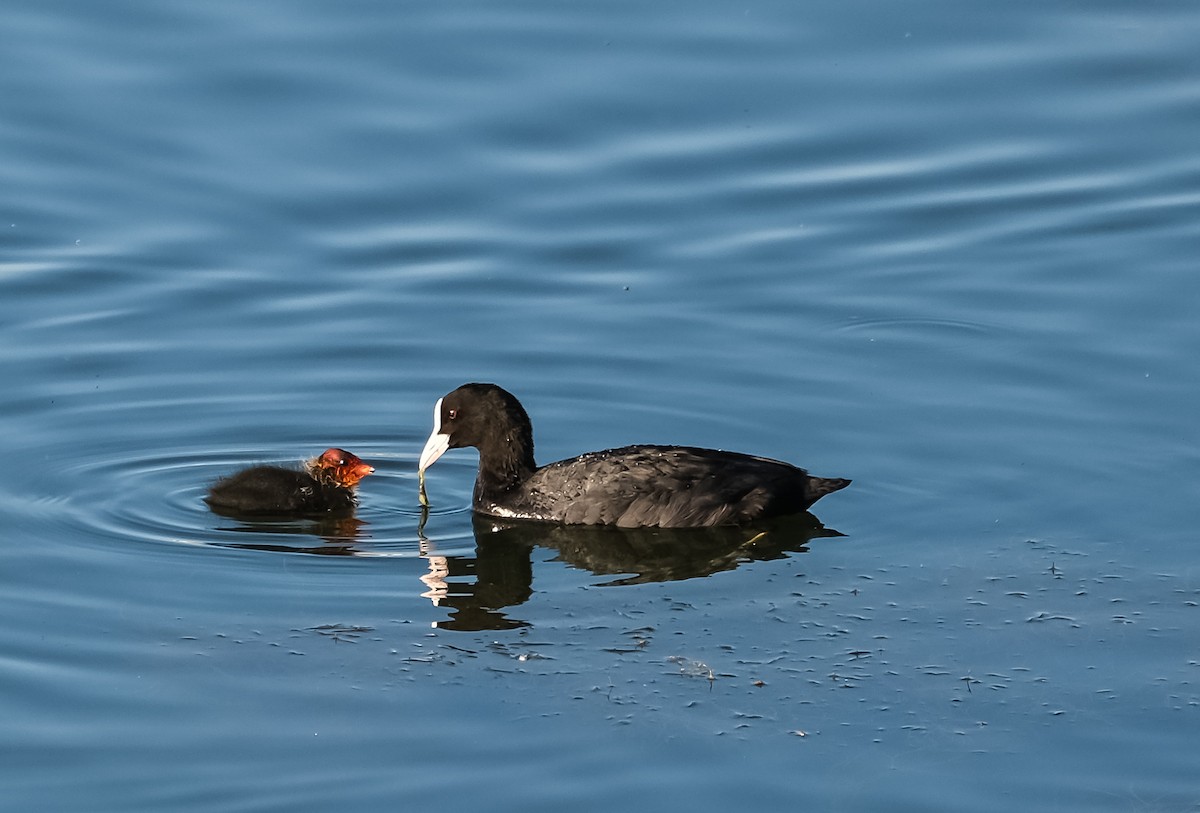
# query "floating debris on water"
(692, 668)
(340, 632)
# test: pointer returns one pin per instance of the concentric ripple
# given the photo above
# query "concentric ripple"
(157, 499)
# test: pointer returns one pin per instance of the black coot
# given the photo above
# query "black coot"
(326, 484)
(631, 487)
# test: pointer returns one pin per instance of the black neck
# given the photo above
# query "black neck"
(506, 462)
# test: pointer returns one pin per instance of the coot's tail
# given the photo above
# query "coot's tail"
(818, 487)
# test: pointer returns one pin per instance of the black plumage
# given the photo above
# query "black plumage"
(325, 485)
(632, 487)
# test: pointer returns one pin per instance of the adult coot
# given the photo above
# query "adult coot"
(326, 484)
(631, 487)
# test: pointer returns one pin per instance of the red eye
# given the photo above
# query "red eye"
(451, 414)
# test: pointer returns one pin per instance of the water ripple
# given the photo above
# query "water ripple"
(157, 499)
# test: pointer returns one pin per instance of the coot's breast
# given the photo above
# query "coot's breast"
(655, 486)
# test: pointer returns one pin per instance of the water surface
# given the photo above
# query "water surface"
(947, 251)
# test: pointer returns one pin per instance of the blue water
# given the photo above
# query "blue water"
(949, 251)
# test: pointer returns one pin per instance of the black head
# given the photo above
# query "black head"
(489, 418)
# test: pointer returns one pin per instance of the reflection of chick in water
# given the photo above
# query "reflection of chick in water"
(325, 485)
(503, 570)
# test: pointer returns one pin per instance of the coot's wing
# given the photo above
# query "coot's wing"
(664, 486)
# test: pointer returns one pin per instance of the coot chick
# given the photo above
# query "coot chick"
(325, 485)
(630, 487)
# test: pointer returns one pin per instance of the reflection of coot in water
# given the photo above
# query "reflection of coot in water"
(326, 485)
(631, 487)
(657, 554)
(478, 589)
